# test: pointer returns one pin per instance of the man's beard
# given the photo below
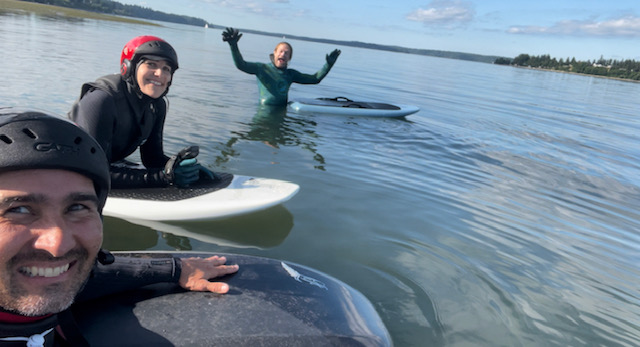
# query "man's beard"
(52, 298)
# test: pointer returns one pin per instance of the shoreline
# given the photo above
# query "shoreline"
(575, 73)
(21, 7)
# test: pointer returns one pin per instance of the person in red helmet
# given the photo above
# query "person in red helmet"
(127, 111)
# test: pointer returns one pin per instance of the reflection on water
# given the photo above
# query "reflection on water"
(272, 126)
(120, 235)
(262, 229)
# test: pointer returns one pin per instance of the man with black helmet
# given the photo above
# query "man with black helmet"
(54, 181)
(127, 110)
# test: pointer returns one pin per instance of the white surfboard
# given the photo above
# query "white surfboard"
(347, 107)
(231, 195)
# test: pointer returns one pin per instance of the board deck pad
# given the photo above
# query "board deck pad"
(173, 193)
(270, 303)
(337, 102)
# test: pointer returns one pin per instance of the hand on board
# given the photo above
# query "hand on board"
(333, 56)
(183, 169)
(231, 35)
(206, 174)
(196, 273)
(186, 173)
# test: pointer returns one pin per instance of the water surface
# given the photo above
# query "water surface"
(504, 213)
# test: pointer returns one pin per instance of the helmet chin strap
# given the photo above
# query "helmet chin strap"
(132, 85)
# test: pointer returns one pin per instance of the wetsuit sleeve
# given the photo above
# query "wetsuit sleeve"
(250, 68)
(127, 273)
(128, 178)
(298, 77)
(152, 151)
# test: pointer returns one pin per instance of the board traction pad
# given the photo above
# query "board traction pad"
(349, 103)
(173, 193)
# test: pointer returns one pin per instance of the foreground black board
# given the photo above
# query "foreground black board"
(271, 303)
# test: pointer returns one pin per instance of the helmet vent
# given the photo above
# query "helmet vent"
(29, 133)
(4, 138)
(77, 140)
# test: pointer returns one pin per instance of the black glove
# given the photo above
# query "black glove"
(187, 173)
(231, 35)
(182, 169)
(333, 56)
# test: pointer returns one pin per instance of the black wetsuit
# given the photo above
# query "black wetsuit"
(121, 119)
(123, 274)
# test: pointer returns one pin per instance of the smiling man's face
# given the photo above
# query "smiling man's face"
(50, 234)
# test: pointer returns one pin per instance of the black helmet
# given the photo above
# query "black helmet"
(36, 140)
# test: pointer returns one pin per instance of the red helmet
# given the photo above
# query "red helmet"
(141, 46)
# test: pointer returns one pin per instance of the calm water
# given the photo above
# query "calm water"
(504, 213)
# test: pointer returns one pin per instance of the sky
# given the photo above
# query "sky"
(584, 29)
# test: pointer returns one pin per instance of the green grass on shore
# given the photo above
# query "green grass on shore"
(15, 6)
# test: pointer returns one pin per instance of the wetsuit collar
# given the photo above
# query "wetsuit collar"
(8, 317)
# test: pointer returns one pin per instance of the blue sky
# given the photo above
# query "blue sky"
(584, 29)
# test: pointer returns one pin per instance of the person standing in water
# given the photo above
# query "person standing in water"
(275, 78)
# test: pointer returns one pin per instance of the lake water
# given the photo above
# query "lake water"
(504, 213)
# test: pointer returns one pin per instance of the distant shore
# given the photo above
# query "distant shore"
(573, 73)
(57, 11)
(16, 6)
(53, 11)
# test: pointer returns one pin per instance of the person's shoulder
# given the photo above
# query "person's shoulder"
(108, 83)
(264, 65)
(112, 81)
(97, 98)
(97, 93)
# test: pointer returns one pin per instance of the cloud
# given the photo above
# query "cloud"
(252, 6)
(445, 13)
(628, 26)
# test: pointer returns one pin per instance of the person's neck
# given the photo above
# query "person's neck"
(15, 318)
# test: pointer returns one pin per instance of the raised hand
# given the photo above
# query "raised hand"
(333, 56)
(231, 35)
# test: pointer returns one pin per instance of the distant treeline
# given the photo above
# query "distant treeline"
(118, 9)
(626, 69)
(429, 52)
